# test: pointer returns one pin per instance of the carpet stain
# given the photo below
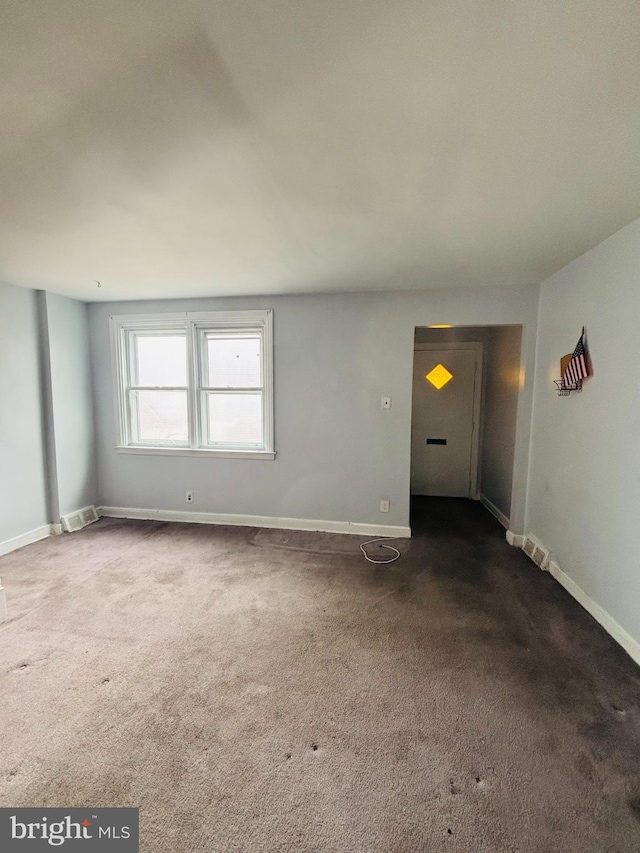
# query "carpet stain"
(585, 766)
(634, 805)
(403, 591)
(598, 731)
(25, 667)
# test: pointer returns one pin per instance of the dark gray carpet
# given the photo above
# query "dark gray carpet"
(271, 691)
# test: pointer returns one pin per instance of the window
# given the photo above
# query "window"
(194, 383)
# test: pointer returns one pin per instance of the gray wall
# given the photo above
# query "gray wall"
(47, 459)
(500, 415)
(22, 480)
(584, 486)
(72, 402)
(501, 391)
(338, 453)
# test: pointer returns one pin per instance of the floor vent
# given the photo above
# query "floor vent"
(536, 552)
(79, 519)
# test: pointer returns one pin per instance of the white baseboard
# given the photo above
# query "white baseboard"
(3, 603)
(27, 538)
(493, 509)
(515, 539)
(613, 628)
(352, 527)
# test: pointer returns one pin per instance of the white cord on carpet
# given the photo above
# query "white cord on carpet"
(388, 547)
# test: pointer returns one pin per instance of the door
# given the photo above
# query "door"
(446, 384)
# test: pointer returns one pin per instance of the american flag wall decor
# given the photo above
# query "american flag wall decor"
(579, 366)
(574, 367)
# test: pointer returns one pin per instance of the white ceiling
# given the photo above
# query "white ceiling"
(278, 146)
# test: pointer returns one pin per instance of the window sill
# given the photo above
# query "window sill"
(265, 455)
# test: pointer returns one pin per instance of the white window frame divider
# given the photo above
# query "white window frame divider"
(194, 324)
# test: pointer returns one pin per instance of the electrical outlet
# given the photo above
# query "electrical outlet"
(385, 402)
(188, 496)
(384, 505)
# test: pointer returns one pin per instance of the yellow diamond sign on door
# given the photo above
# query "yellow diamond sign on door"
(439, 376)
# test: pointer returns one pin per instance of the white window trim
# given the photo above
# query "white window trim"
(192, 322)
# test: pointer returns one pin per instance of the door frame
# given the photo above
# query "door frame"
(478, 385)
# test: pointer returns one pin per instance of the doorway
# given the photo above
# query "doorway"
(445, 423)
(498, 384)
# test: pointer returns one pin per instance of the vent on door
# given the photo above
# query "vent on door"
(536, 552)
(79, 519)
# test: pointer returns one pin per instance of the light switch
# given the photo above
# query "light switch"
(385, 402)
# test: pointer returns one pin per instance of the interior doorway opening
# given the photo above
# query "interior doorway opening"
(466, 384)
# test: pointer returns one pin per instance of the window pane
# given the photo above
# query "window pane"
(235, 418)
(161, 416)
(161, 360)
(234, 362)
